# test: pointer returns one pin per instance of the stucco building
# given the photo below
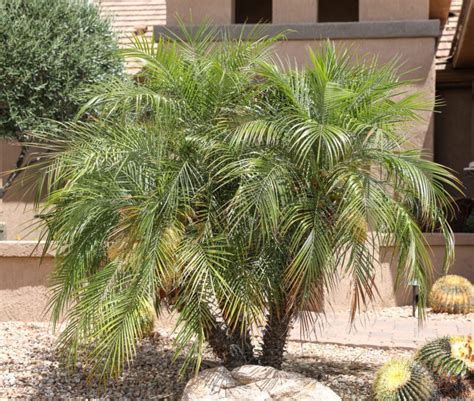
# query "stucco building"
(434, 39)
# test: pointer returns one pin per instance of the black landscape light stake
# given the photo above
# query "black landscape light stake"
(415, 292)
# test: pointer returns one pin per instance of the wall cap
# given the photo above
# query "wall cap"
(23, 249)
(319, 31)
(460, 239)
(437, 239)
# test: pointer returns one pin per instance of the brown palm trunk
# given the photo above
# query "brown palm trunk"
(233, 349)
(279, 323)
(241, 345)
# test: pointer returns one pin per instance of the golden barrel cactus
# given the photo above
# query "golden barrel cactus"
(448, 356)
(404, 380)
(452, 294)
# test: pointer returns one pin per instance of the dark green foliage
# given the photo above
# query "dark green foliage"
(49, 48)
(448, 356)
(234, 188)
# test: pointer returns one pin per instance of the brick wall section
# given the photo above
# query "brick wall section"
(128, 15)
(444, 52)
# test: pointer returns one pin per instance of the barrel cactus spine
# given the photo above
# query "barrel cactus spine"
(404, 380)
(448, 356)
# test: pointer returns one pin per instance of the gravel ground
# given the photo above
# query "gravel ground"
(349, 371)
(29, 368)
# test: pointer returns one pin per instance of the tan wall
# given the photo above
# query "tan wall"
(24, 278)
(340, 298)
(384, 10)
(301, 11)
(17, 207)
(285, 12)
(215, 11)
(23, 281)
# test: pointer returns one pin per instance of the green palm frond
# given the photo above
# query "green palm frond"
(232, 186)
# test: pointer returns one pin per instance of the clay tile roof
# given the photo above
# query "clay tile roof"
(444, 52)
(133, 16)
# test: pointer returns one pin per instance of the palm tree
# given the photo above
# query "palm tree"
(232, 190)
(327, 174)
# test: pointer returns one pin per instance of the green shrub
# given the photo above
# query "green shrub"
(48, 49)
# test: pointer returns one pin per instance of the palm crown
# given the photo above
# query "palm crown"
(235, 189)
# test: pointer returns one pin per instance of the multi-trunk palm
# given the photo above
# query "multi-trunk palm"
(234, 190)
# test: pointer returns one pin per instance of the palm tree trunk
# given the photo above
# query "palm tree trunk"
(241, 344)
(279, 323)
(233, 349)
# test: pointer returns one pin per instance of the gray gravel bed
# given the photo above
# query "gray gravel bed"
(30, 369)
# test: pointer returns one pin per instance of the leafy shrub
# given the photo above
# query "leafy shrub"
(49, 48)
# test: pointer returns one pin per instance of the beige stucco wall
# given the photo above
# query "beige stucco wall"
(17, 206)
(285, 12)
(340, 297)
(24, 278)
(302, 11)
(23, 281)
(198, 11)
(384, 10)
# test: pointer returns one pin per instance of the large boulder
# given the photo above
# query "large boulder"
(256, 383)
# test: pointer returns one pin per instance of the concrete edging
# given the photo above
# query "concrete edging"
(23, 249)
(436, 240)
(339, 30)
(460, 239)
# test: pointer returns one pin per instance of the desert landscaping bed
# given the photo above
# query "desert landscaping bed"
(30, 369)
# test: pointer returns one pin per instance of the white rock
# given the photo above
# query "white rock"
(209, 385)
(9, 379)
(247, 392)
(252, 373)
(256, 383)
(300, 390)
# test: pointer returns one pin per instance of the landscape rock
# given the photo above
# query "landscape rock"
(256, 383)
(253, 373)
(209, 385)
